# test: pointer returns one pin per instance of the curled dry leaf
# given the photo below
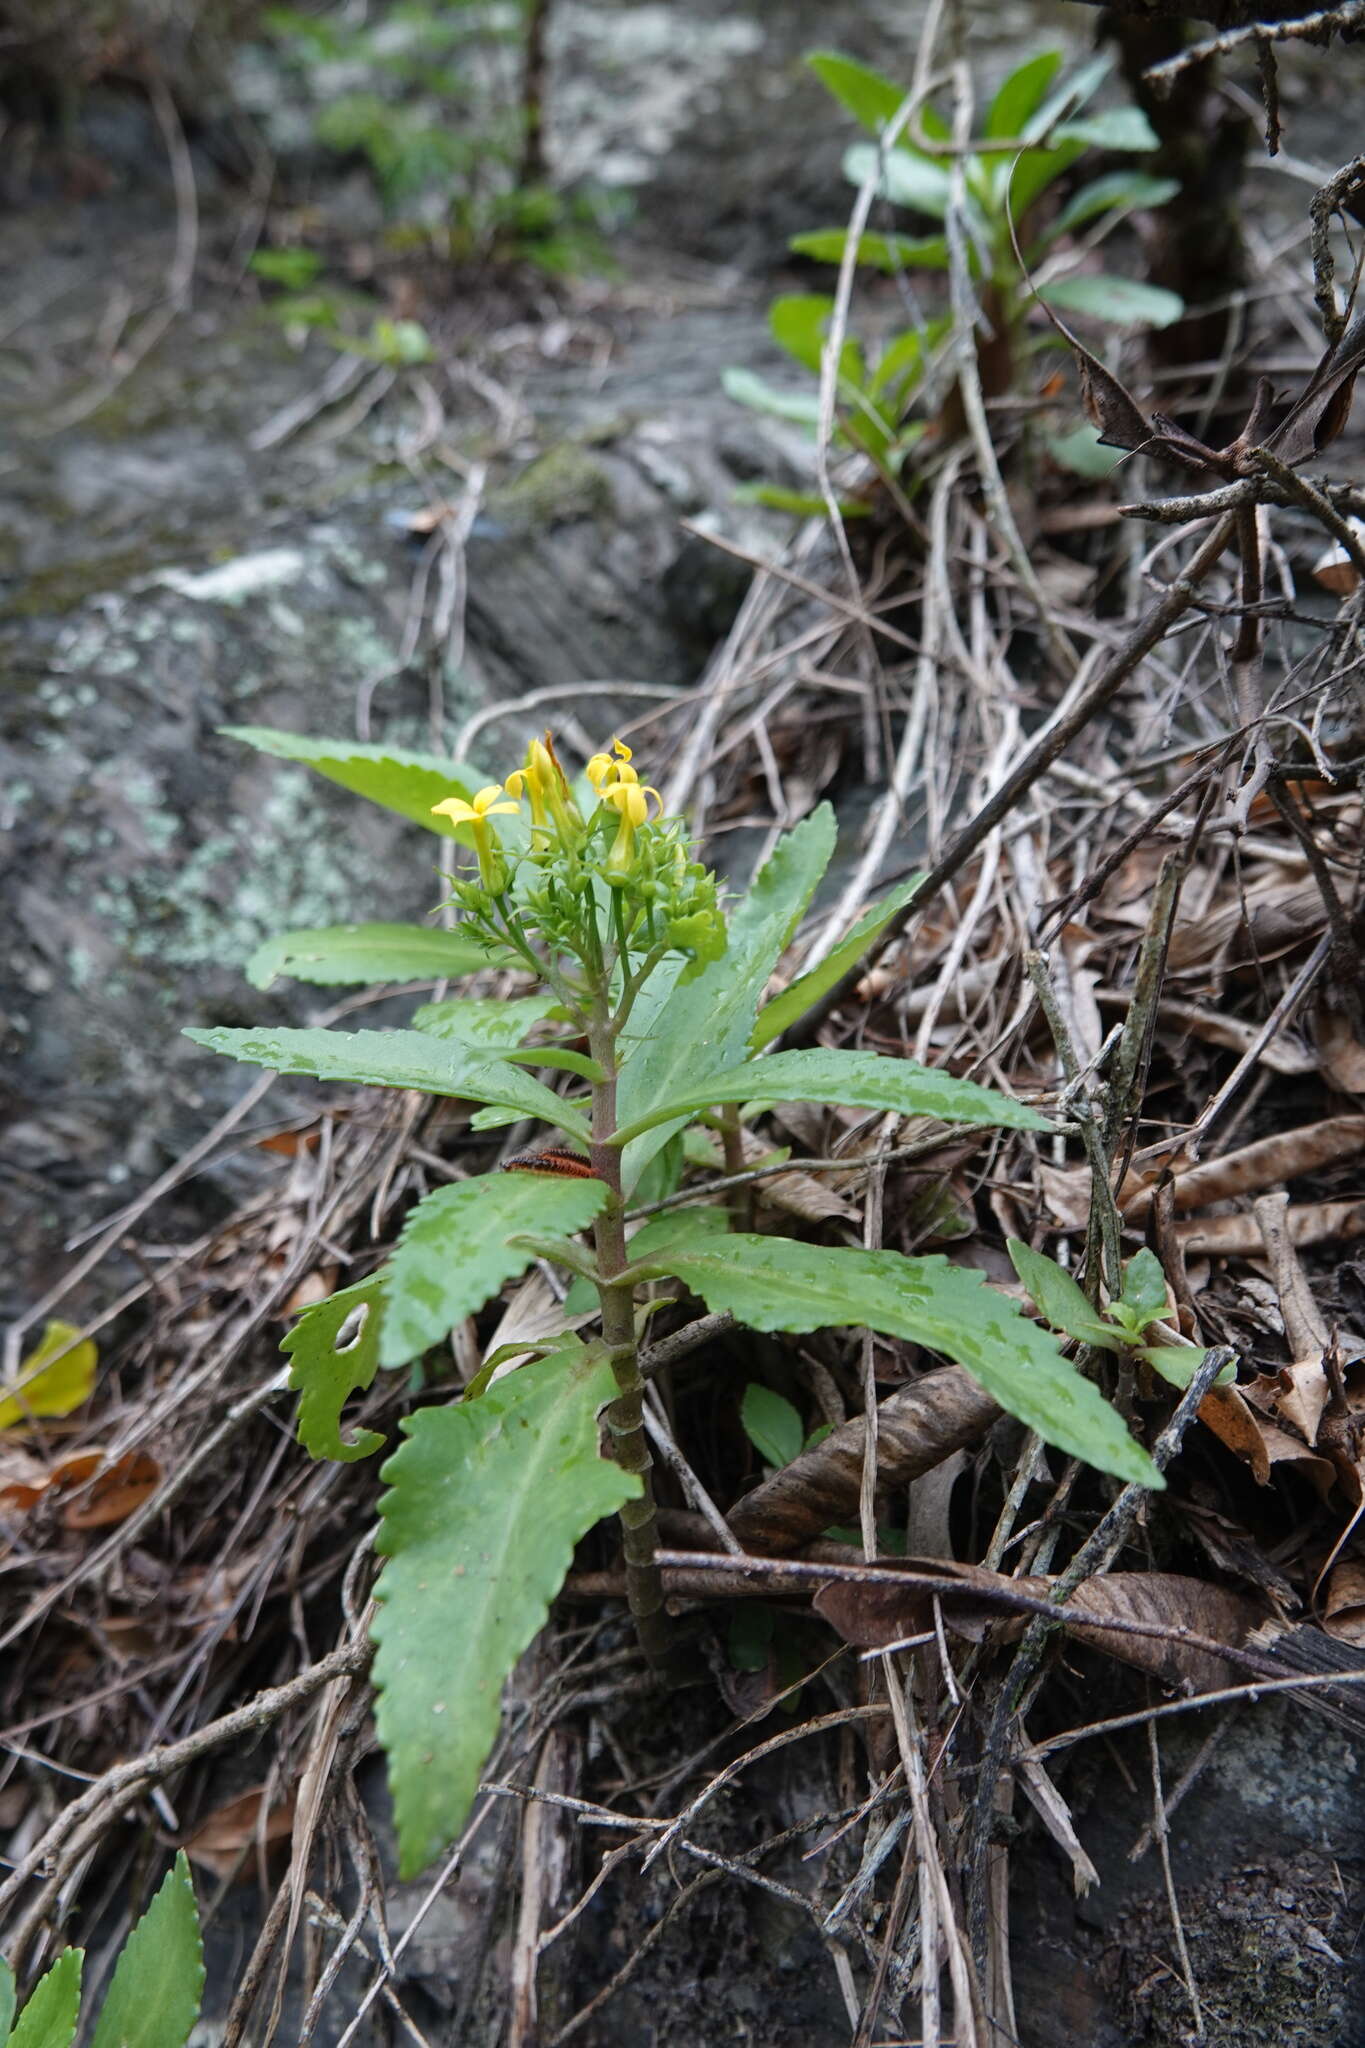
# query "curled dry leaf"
(1171, 1607)
(1343, 1607)
(1267, 1163)
(225, 1842)
(1268, 922)
(1335, 570)
(1307, 1223)
(1283, 1054)
(917, 1427)
(1341, 1053)
(1297, 1394)
(1258, 1442)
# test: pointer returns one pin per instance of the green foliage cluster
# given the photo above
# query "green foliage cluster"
(1034, 134)
(154, 1993)
(648, 1008)
(431, 96)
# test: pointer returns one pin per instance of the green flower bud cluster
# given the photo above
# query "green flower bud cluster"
(660, 900)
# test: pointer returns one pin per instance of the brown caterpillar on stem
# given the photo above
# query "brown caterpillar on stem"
(551, 1159)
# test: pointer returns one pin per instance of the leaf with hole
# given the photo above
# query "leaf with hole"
(456, 1251)
(334, 1353)
(486, 1501)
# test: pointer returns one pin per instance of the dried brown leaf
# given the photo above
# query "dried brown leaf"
(1172, 1607)
(917, 1427)
(1341, 1053)
(223, 1843)
(1343, 1607)
(1307, 1222)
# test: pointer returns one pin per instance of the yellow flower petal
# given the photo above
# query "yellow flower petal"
(456, 809)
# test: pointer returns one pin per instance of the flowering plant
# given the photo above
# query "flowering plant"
(650, 998)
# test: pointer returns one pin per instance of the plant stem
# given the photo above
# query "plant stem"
(625, 1416)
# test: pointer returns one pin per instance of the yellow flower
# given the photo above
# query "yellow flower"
(547, 791)
(475, 812)
(631, 800)
(603, 771)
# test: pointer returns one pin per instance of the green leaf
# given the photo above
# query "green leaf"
(783, 1011)
(1060, 1300)
(799, 320)
(872, 99)
(339, 953)
(1025, 178)
(454, 1255)
(6, 2000)
(335, 1352)
(1073, 93)
(294, 268)
(1178, 1362)
(866, 1080)
(1021, 95)
(397, 1059)
(153, 1998)
(1080, 452)
(904, 179)
(746, 387)
(483, 1020)
(1122, 128)
(772, 1425)
(677, 1229)
(805, 504)
(1122, 301)
(486, 1501)
(562, 1058)
(1120, 189)
(875, 252)
(50, 2018)
(1144, 1288)
(680, 1029)
(774, 1283)
(395, 777)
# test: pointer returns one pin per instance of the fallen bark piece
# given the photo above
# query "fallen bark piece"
(917, 1427)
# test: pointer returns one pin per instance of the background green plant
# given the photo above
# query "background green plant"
(487, 1496)
(437, 100)
(153, 1996)
(1033, 135)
